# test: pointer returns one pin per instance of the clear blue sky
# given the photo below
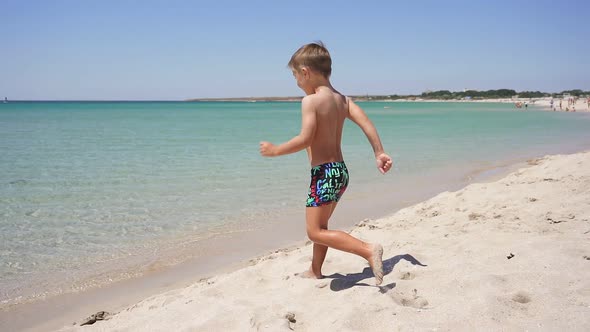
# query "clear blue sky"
(160, 50)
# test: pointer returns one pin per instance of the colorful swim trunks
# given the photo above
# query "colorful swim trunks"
(328, 183)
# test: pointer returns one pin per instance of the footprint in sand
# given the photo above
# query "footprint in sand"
(412, 300)
(521, 297)
(406, 275)
(474, 216)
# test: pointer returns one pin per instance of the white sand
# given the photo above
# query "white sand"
(581, 104)
(446, 269)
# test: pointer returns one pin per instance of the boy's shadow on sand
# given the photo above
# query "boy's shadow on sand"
(342, 282)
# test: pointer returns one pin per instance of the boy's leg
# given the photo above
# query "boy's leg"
(320, 250)
(318, 216)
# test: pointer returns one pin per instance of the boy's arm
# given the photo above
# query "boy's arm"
(299, 142)
(358, 116)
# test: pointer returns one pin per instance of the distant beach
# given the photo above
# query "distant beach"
(246, 99)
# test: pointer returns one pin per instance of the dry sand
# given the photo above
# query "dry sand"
(581, 105)
(510, 255)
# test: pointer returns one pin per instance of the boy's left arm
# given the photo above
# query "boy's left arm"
(299, 142)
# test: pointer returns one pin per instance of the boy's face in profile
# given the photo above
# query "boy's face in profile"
(300, 77)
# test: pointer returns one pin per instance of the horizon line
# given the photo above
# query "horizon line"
(263, 98)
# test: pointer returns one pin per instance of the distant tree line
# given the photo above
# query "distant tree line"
(474, 94)
(576, 92)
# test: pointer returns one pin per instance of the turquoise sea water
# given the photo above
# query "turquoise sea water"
(90, 189)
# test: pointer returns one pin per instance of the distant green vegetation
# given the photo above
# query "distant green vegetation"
(474, 94)
(576, 93)
(445, 94)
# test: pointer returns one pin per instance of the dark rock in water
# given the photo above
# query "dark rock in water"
(101, 315)
(18, 182)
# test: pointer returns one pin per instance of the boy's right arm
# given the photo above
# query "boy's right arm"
(358, 116)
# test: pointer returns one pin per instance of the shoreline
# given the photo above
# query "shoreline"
(119, 295)
(536, 226)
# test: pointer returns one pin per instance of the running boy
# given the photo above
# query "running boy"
(323, 112)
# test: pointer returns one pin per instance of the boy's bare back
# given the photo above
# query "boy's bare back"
(330, 109)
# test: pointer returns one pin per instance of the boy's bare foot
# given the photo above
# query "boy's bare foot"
(376, 263)
(308, 274)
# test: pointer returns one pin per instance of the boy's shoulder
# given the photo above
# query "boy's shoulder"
(324, 101)
(317, 97)
(311, 98)
(310, 101)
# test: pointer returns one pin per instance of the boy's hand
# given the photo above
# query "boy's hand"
(267, 149)
(384, 162)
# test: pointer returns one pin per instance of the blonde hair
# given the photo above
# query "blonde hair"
(315, 56)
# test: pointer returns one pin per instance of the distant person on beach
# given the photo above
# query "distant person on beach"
(323, 112)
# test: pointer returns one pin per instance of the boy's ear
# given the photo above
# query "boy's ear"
(305, 72)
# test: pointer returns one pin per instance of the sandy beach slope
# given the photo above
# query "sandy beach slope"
(510, 255)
